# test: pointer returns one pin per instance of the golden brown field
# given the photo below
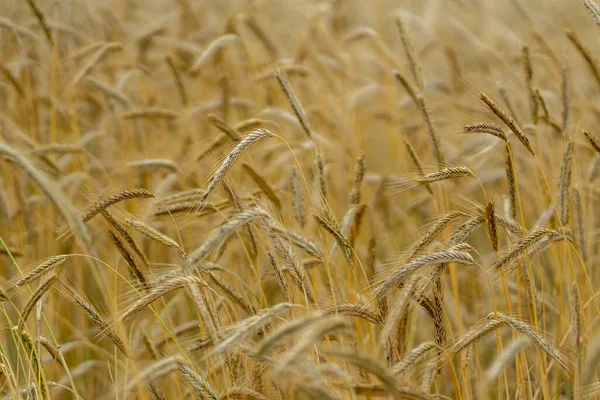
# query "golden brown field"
(321, 199)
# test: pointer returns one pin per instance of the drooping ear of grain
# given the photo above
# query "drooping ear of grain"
(594, 141)
(402, 273)
(223, 127)
(43, 23)
(152, 233)
(232, 157)
(133, 268)
(519, 247)
(486, 127)
(97, 320)
(113, 199)
(429, 236)
(589, 59)
(46, 267)
(296, 107)
(263, 185)
(536, 338)
(327, 221)
(508, 121)
(178, 79)
(593, 9)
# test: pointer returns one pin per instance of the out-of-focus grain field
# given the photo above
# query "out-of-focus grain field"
(299, 199)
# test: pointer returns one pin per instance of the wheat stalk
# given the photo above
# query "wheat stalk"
(512, 181)
(283, 331)
(211, 50)
(93, 60)
(317, 331)
(249, 326)
(564, 184)
(263, 185)
(508, 121)
(203, 388)
(48, 266)
(128, 258)
(232, 157)
(526, 329)
(325, 219)
(413, 357)
(113, 199)
(446, 173)
(109, 91)
(589, 59)
(594, 141)
(475, 334)
(297, 197)
(593, 10)
(158, 291)
(221, 125)
(39, 15)
(402, 273)
(162, 163)
(400, 307)
(565, 72)
(152, 233)
(415, 68)
(356, 310)
(178, 80)
(486, 127)
(320, 174)
(576, 318)
(520, 246)
(36, 362)
(533, 103)
(232, 293)
(225, 230)
(93, 315)
(438, 154)
(41, 290)
(490, 218)
(125, 235)
(296, 107)
(579, 219)
(429, 236)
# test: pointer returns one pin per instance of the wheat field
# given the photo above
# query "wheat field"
(320, 199)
